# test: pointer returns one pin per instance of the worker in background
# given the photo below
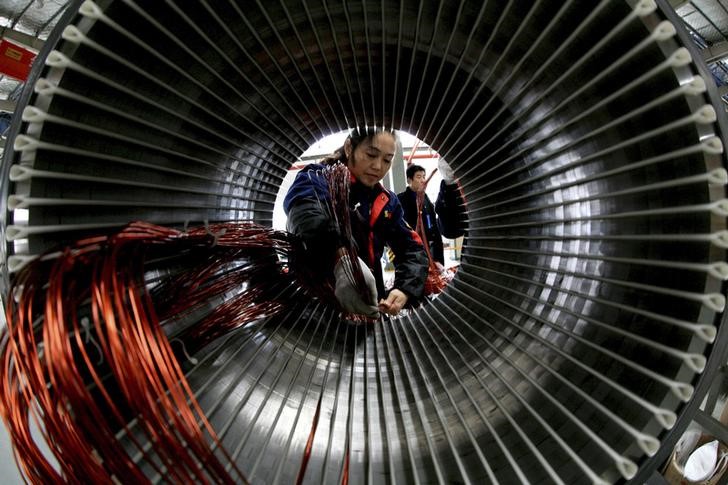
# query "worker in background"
(376, 218)
(416, 183)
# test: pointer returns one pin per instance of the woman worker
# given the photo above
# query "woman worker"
(376, 219)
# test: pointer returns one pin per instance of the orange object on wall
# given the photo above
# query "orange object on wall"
(15, 61)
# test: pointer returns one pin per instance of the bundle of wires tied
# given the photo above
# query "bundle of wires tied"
(86, 350)
(338, 180)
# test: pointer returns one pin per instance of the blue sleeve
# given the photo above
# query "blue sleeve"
(308, 185)
(308, 208)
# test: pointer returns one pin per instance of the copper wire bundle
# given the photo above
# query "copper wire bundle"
(96, 291)
(89, 347)
(338, 180)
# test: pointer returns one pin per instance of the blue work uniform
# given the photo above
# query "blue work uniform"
(377, 219)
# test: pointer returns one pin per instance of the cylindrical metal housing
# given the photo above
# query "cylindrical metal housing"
(591, 285)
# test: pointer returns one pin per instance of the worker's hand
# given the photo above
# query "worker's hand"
(447, 173)
(346, 292)
(394, 302)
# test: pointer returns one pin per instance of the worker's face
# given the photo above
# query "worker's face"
(371, 159)
(417, 182)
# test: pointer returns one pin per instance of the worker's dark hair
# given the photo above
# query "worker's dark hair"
(412, 170)
(356, 136)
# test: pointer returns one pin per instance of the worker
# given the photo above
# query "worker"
(376, 219)
(416, 183)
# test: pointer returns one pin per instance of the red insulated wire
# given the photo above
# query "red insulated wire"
(154, 353)
(345, 471)
(309, 443)
(48, 375)
(338, 178)
(17, 400)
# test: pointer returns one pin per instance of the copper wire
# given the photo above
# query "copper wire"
(338, 179)
(309, 443)
(48, 374)
(232, 272)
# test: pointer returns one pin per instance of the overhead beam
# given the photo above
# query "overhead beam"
(7, 105)
(675, 4)
(715, 52)
(22, 38)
